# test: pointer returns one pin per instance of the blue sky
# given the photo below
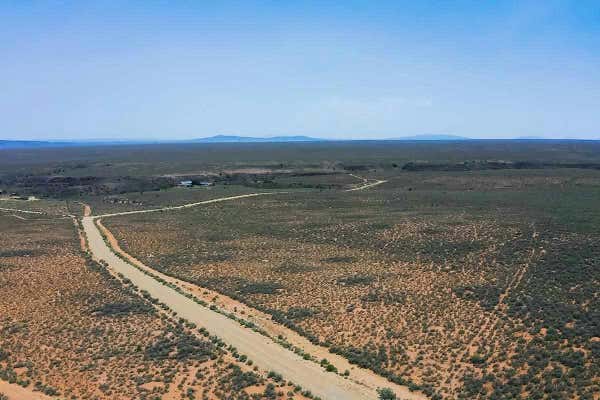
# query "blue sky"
(351, 69)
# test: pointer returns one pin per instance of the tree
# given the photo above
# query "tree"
(270, 391)
(386, 394)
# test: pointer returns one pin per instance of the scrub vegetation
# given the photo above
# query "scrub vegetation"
(69, 329)
(471, 273)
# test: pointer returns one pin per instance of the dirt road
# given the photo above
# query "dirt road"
(265, 353)
(189, 205)
(21, 211)
(366, 185)
(264, 321)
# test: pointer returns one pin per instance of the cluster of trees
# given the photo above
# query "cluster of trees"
(259, 287)
(121, 309)
(481, 165)
(240, 379)
(64, 186)
(180, 346)
(20, 253)
(376, 359)
(46, 389)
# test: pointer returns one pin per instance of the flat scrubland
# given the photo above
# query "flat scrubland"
(463, 284)
(471, 273)
(71, 330)
(161, 198)
(116, 170)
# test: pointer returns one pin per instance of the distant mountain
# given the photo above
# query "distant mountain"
(432, 137)
(24, 144)
(19, 144)
(249, 139)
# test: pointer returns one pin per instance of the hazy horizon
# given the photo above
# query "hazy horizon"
(424, 137)
(353, 70)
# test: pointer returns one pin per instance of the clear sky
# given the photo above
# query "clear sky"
(335, 69)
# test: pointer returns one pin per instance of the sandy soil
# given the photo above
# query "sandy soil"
(265, 353)
(16, 392)
(359, 375)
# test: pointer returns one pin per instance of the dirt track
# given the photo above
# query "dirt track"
(21, 211)
(189, 205)
(359, 375)
(365, 185)
(263, 351)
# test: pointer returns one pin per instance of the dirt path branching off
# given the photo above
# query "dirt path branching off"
(189, 205)
(265, 352)
(366, 184)
(268, 327)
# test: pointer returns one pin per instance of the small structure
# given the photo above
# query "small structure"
(186, 183)
(16, 196)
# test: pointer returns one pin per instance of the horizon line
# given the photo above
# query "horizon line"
(431, 138)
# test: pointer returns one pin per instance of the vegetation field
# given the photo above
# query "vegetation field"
(465, 284)
(71, 330)
(472, 272)
(109, 170)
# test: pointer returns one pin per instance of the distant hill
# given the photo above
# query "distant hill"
(432, 137)
(33, 144)
(19, 144)
(23, 144)
(249, 139)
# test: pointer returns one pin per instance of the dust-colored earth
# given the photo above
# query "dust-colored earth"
(69, 329)
(264, 321)
(262, 350)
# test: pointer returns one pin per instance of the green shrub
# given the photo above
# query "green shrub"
(386, 394)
